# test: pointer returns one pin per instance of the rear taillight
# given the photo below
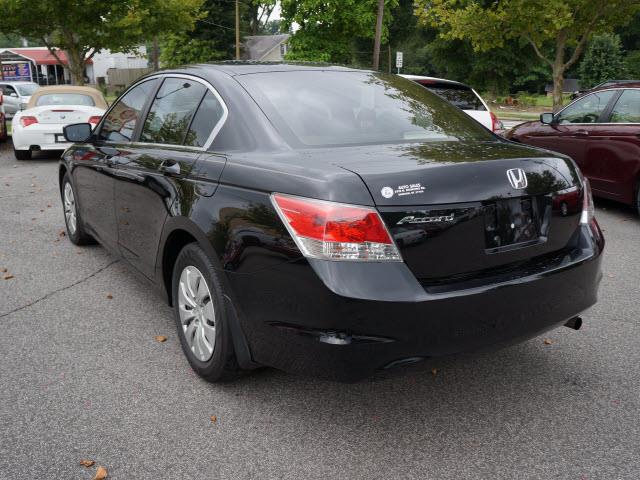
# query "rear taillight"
(495, 123)
(588, 209)
(27, 120)
(335, 231)
(95, 120)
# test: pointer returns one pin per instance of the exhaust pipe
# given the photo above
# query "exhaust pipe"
(574, 323)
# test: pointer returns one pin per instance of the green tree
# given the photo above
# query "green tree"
(557, 30)
(81, 28)
(329, 29)
(602, 61)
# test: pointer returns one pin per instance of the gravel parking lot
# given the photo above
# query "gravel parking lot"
(83, 378)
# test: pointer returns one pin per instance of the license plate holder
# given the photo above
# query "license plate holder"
(511, 223)
(59, 138)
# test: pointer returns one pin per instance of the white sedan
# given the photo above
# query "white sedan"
(39, 126)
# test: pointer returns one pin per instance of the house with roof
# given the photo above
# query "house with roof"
(266, 48)
(37, 64)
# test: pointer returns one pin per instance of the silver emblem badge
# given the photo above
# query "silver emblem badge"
(517, 178)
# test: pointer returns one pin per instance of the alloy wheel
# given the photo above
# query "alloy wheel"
(70, 208)
(197, 313)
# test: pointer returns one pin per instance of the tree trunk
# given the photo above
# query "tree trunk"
(557, 70)
(76, 66)
(558, 83)
(156, 54)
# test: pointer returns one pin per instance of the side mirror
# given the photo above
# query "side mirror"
(77, 133)
(13, 94)
(547, 118)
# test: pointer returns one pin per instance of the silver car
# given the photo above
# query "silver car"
(17, 95)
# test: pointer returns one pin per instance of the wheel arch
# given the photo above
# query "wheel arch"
(178, 232)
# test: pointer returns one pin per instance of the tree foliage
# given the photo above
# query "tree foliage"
(602, 61)
(329, 29)
(551, 27)
(83, 27)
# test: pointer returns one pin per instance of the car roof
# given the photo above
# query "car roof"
(617, 84)
(98, 99)
(18, 82)
(244, 68)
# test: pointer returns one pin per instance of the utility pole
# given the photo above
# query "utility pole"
(376, 43)
(237, 30)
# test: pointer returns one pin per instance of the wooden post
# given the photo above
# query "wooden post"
(376, 42)
(237, 30)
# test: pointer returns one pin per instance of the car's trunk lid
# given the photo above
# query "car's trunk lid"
(62, 114)
(453, 210)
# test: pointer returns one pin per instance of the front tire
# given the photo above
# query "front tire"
(75, 228)
(201, 318)
(22, 154)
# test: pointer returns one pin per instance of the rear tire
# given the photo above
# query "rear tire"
(22, 154)
(201, 318)
(75, 228)
(5, 134)
(638, 198)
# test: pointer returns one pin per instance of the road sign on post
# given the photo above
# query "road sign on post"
(399, 61)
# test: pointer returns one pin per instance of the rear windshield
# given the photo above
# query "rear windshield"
(461, 96)
(325, 108)
(65, 99)
(27, 90)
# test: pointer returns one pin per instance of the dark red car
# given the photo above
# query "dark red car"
(601, 132)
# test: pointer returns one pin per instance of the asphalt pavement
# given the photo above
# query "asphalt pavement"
(82, 377)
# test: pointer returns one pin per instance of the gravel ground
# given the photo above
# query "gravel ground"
(82, 377)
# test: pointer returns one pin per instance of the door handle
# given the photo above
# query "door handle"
(169, 167)
(582, 133)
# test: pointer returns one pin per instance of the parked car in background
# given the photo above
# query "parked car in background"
(601, 132)
(272, 206)
(462, 96)
(17, 95)
(607, 84)
(3, 120)
(39, 126)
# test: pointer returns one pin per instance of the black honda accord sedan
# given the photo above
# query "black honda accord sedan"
(329, 221)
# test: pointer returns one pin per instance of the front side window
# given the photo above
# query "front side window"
(333, 108)
(65, 99)
(587, 109)
(8, 90)
(120, 123)
(627, 109)
(171, 113)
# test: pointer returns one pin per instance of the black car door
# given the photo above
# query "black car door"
(156, 170)
(93, 172)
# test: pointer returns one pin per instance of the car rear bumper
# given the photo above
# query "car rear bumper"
(41, 136)
(301, 319)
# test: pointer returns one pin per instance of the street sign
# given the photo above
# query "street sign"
(399, 61)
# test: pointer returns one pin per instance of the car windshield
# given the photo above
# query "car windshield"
(332, 108)
(27, 89)
(65, 99)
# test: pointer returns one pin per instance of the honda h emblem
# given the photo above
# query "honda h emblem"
(517, 178)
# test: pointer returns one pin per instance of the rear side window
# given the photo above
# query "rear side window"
(587, 109)
(461, 97)
(172, 110)
(65, 99)
(627, 109)
(121, 121)
(206, 119)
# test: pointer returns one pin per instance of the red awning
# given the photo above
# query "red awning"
(42, 56)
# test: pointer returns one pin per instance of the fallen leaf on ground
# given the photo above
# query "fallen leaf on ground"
(48, 206)
(3, 270)
(62, 233)
(109, 296)
(547, 341)
(101, 473)
(87, 463)
(8, 277)
(434, 371)
(33, 219)
(160, 338)
(214, 419)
